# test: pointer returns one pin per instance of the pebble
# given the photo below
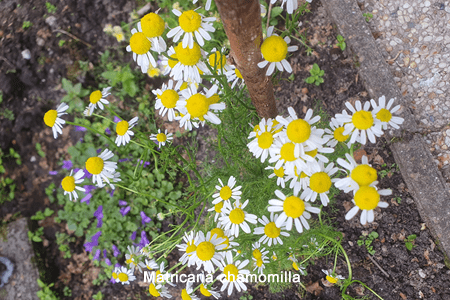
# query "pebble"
(33, 159)
(26, 54)
(51, 21)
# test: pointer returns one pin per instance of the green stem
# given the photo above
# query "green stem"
(344, 289)
(93, 130)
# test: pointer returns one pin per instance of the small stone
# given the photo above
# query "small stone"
(427, 3)
(393, 43)
(33, 159)
(422, 274)
(428, 38)
(389, 48)
(385, 17)
(51, 21)
(439, 38)
(442, 65)
(413, 65)
(411, 24)
(26, 54)
(406, 5)
(432, 95)
(406, 62)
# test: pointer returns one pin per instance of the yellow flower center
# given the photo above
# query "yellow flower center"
(265, 140)
(190, 21)
(191, 247)
(293, 207)
(205, 251)
(197, 106)
(122, 128)
(274, 257)
(320, 182)
(214, 99)
(169, 98)
(161, 137)
(217, 60)
(231, 272)
(303, 175)
(331, 279)
(226, 242)
(50, 117)
(152, 25)
(185, 295)
(259, 262)
(218, 206)
(218, 232)
(257, 254)
(279, 172)
(287, 152)
(271, 230)
(139, 43)
(114, 275)
(338, 134)
(364, 175)
(367, 198)
(362, 119)
(172, 63)
(312, 153)
(225, 193)
(95, 96)
(298, 131)
(238, 73)
(123, 277)
(274, 49)
(237, 216)
(384, 115)
(153, 291)
(295, 266)
(94, 165)
(68, 183)
(204, 291)
(188, 57)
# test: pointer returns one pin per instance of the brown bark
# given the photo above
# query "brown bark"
(242, 23)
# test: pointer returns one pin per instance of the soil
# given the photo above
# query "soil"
(31, 87)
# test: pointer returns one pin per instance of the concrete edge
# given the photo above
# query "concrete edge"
(421, 175)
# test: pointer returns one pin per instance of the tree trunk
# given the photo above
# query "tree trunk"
(242, 22)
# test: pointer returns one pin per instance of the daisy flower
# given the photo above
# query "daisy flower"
(218, 209)
(140, 45)
(274, 50)
(361, 124)
(124, 275)
(207, 252)
(69, 184)
(153, 26)
(167, 98)
(366, 199)
(52, 119)
(332, 278)
(189, 246)
(220, 233)
(196, 106)
(208, 291)
(285, 153)
(259, 263)
(293, 209)
(279, 173)
(360, 175)
(291, 5)
(215, 98)
(299, 181)
(169, 63)
(271, 232)
(159, 290)
(162, 137)
(384, 113)
(320, 183)
(100, 168)
(123, 131)
(115, 178)
(295, 265)
(235, 217)
(188, 292)
(316, 153)
(97, 98)
(234, 75)
(151, 265)
(218, 61)
(262, 144)
(133, 259)
(191, 23)
(208, 4)
(230, 274)
(335, 135)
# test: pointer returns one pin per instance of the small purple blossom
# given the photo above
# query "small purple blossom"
(87, 174)
(80, 128)
(116, 251)
(112, 192)
(125, 210)
(145, 219)
(87, 199)
(133, 236)
(108, 262)
(144, 241)
(97, 255)
(93, 243)
(67, 164)
(116, 119)
(53, 173)
(99, 215)
(122, 203)
(89, 188)
(99, 150)
(112, 280)
(124, 159)
(146, 163)
(104, 253)
(107, 131)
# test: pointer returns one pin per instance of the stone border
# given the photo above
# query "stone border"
(421, 175)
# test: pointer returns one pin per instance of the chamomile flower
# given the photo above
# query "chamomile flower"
(335, 135)
(208, 4)
(384, 113)
(235, 217)
(217, 208)
(291, 5)
(271, 232)
(286, 154)
(294, 210)
(316, 153)
(361, 124)
(279, 173)
(366, 199)
(189, 246)
(207, 252)
(101, 169)
(124, 275)
(52, 119)
(299, 181)
(162, 137)
(262, 144)
(97, 98)
(153, 26)
(274, 50)
(188, 292)
(234, 75)
(295, 264)
(189, 63)
(196, 106)
(140, 45)
(167, 98)
(218, 61)
(69, 184)
(360, 175)
(259, 263)
(320, 183)
(169, 62)
(133, 259)
(230, 274)
(115, 178)
(123, 131)
(159, 290)
(191, 24)
(208, 291)
(332, 278)
(150, 264)
(220, 233)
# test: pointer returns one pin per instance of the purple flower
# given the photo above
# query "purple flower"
(108, 262)
(112, 280)
(116, 119)
(144, 241)
(67, 164)
(89, 188)
(97, 255)
(125, 210)
(117, 265)
(133, 236)
(80, 128)
(53, 173)
(87, 199)
(145, 219)
(107, 131)
(99, 150)
(94, 242)
(146, 163)
(87, 174)
(124, 159)
(112, 193)
(122, 203)
(96, 236)
(116, 251)
(104, 253)
(99, 215)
